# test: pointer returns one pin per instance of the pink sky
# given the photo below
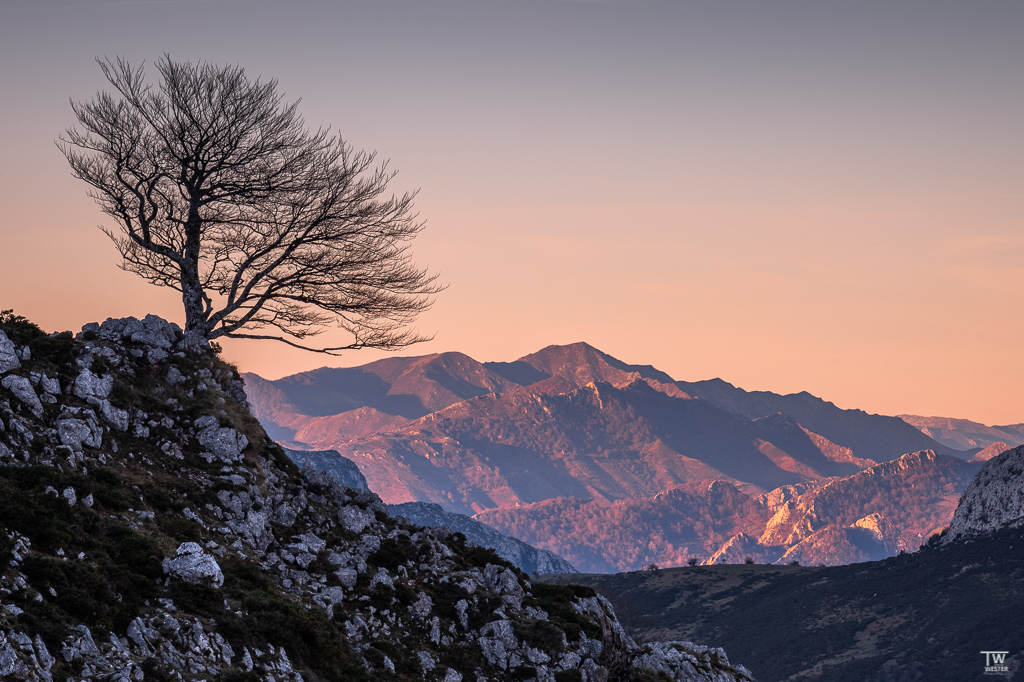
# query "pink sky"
(795, 198)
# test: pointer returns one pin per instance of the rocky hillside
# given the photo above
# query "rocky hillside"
(525, 557)
(150, 529)
(994, 500)
(605, 537)
(521, 555)
(889, 507)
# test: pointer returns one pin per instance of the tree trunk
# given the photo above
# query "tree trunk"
(197, 332)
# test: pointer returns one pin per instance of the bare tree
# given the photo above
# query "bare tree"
(268, 230)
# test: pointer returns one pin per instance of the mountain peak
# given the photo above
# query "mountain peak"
(581, 363)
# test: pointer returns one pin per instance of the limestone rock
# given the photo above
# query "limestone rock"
(329, 461)
(355, 519)
(151, 331)
(92, 388)
(223, 443)
(8, 354)
(994, 499)
(75, 433)
(193, 565)
(23, 391)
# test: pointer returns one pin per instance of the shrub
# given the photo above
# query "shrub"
(18, 329)
(393, 553)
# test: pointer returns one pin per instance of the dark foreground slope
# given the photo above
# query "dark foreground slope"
(150, 529)
(920, 616)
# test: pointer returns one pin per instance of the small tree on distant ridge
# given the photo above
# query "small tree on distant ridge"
(220, 192)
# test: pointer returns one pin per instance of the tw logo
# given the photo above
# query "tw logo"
(995, 662)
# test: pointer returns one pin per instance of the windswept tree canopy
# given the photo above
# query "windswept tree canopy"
(268, 230)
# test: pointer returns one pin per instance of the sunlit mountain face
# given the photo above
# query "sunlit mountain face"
(615, 466)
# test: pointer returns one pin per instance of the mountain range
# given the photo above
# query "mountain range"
(572, 432)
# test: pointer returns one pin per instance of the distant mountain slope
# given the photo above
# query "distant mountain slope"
(330, 462)
(963, 434)
(406, 387)
(994, 450)
(871, 436)
(597, 441)
(526, 557)
(576, 426)
(411, 388)
(609, 536)
(866, 516)
(916, 493)
(581, 364)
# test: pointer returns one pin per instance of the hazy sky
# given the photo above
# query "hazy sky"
(789, 195)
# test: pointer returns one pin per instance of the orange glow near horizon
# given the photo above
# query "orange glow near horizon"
(715, 195)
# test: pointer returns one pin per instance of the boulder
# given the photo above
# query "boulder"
(23, 391)
(8, 354)
(222, 443)
(195, 566)
(92, 388)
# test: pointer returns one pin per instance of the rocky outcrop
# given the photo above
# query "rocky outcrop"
(743, 548)
(868, 539)
(331, 462)
(526, 557)
(994, 500)
(891, 489)
(150, 529)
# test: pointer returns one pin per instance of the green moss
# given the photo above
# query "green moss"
(445, 596)
(179, 528)
(405, 664)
